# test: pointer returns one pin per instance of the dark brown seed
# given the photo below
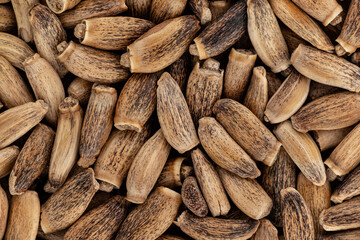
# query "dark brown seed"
(192, 197)
(179, 71)
(162, 10)
(139, 8)
(348, 188)
(266, 231)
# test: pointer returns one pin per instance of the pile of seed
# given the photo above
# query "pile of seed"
(179, 119)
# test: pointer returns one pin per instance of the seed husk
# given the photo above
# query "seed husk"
(7, 19)
(97, 124)
(81, 90)
(111, 33)
(162, 10)
(60, 6)
(288, 99)
(92, 64)
(303, 151)
(256, 96)
(151, 219)
(13, 89)
(302, 24)
(238, 71)
(209, 228)
(201, 9)
(327, 12)
(279, 176)
(192, 197)
(24, 216)
(67, 204)
(139, 8)
(14, 49)
(146, 168)
(297, 219)
(265, 231)
(346, 156)
(330, 112)
(66, 145)
(174, 115)
(343, 216)
(90, 9)
(136, 102)
(8, 157)
(247, 130)
(270, 47)
(316, 198)
(348, 188)
(32, 159)
(210, 184)
(229, 28)
(46, 84)
(224, 151)
(174, 173)
(4, 208)
(326, 68)
(101, 222)
(204, 88)
(171, 38)
(328, 139)
(116, 156)
(47, 35)
(17, 121)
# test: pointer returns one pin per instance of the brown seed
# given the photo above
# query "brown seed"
(32, 160)
(111, 33)
(137, 102)
(4, 208)
(346, 155)
(146, 168)
(14, 49)
(265, 231)
(274, 83)
(303, 151)
(326, 68)
(116, 156)
(161, 46)
(46, 85)
(298, 21)
(47, 35)
(345, 235)
(17, 121)
(238, 71)
(325, 11)
(51, 236)
(292, 39)
(288, 99)
(192, 197)
(97, 123)
(204, 88)
(201, 9)
(67, 204)
(13, 89)
(21, 9)
(170, 237)
(92, 64)
(247, 194)
(162, 10)
(60, 6)
(279, 176)
(24, 216)
(228, 28)
(219, 7)
(297, 220)
(318, 90)
(343, 216)
(270, 47)
(81, 90)
(8, 157)
(66, 145)
(209, 228)
(256, 96)
(174, 115)
(91, 8)
(139, 8)
(348, 188)
(151, 219)
(7, 19)
(101, 222)
(210, 184)
(247, 130)
(330, 112)
(1, 105)
(316, 198)
(355, 58)
(174, 173)
(179, 71)
(224, 151)
(328, 139)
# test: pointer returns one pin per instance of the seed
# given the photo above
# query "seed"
(8, 157)
(328, 139)
(265, 231)
(162, 10)
(348, 188)
(7, 19)
(201, 9)
(192, 197)
(81, 90)
(345, 235)
(139, 8)
(4, 208)
(179, 71)
(174, 173)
